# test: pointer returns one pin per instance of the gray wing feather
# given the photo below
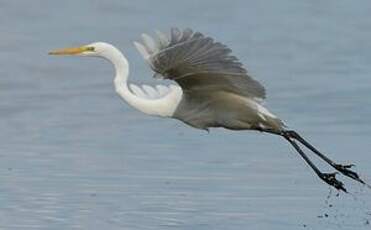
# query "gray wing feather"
(197, 62)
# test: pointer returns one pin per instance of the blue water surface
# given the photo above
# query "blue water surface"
(74, 156)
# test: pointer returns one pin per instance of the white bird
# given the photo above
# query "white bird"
(213, 89)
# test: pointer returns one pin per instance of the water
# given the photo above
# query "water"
(74, 156)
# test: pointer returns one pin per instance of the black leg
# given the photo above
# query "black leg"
(329, 178)
(344, 169)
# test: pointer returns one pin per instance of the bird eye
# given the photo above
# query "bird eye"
(90, 48)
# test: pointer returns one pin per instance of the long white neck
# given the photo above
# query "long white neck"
(164, 106)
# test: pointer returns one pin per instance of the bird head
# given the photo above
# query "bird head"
(95, 49)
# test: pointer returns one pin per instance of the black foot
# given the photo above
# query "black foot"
(330, 179)
(345, 170)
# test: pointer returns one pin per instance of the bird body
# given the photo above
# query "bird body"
(213, 89)
(224, 109)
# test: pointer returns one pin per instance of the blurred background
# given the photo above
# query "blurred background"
(74, 156)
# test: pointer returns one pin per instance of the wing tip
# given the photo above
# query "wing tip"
(142, 50)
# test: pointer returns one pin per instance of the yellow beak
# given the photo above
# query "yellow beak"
(69, 51)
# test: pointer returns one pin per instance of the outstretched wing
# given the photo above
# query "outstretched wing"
(197, 62)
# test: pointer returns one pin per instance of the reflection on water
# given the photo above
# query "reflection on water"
(73, 156)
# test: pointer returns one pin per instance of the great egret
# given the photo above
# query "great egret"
(213, 90)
